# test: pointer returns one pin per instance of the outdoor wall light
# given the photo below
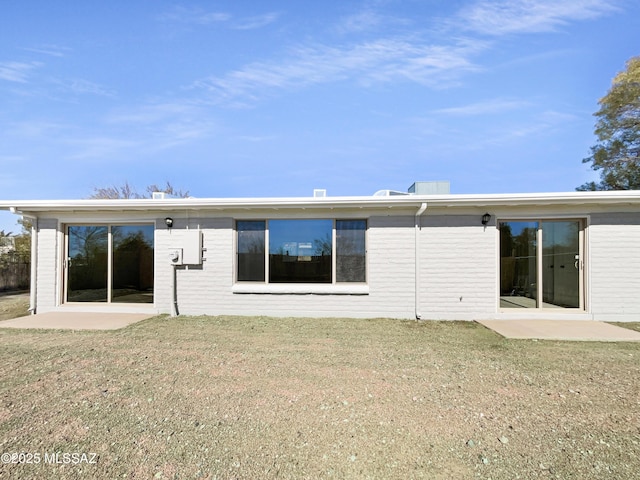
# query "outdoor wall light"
(168, 222)
(485, 219)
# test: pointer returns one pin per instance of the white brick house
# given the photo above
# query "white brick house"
(556, 256)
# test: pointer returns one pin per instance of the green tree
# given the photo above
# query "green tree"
(20, 244)
(127, 191)
(23, 240)
(617, 154)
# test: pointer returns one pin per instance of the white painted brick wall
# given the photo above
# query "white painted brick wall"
(47, 266)
(208, 290)
(458, 260)
(458, 268)
(614, 266)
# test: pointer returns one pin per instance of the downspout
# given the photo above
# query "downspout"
(34, 259)
(174, 292)
(34, 266)
(419, 213)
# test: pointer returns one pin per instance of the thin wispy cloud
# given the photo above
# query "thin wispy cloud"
(101, 148)
(34, 129)
(151, 114)
(164, 125)
(359, 22)
(370, 20)
(537, 127)
(201, 17)
(196, 16)
(50, 50)
(255, 139)
(80, 86)
(17, 71)
(490, 17)
(258, 21)
(488, 107)
(378, 61)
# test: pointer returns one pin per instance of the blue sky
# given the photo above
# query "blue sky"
(247, 98)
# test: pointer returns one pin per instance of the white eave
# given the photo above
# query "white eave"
(626, 197)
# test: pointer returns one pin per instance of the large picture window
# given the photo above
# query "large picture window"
(301, 251)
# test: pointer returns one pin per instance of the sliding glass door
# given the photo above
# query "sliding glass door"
(541, 264)
(109, 263)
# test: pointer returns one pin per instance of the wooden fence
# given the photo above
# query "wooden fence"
(14, 272)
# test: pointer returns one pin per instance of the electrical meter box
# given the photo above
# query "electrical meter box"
(175, 256)
(192, 247)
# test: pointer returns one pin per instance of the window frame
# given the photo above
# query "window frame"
(583, 275)
(334, 287)
(63, 295)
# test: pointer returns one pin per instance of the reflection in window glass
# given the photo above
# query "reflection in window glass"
(560, 268)
(300, 251)
(350, 250)
(251, 238)
(87, 263)
(518, 264)
(132, 264)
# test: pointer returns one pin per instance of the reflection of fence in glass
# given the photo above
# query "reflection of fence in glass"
(518, 276)
(560, 279)
(131, 260)
(132, 264)
(351, 251)
(87, 263)
(251, 249)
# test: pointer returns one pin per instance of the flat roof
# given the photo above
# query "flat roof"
(621, 197)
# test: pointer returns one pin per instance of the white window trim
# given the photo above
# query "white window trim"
(63, 229)
(301, 288)
(585, 286)
(333, 288)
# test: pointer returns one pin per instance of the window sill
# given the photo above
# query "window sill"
(301, 289)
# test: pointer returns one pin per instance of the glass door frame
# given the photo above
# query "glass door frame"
(582, 265)
(110, 255)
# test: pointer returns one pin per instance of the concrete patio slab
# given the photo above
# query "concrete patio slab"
(579, 330)
(76, 320)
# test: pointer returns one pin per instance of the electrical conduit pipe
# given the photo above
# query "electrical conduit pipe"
(419, 213)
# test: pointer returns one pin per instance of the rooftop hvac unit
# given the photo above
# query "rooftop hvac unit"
(431, 188)
(319, 192)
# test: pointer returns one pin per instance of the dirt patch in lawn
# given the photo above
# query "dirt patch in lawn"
(234, 397)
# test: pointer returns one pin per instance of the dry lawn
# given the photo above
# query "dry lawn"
(13, 305)
(234, 397)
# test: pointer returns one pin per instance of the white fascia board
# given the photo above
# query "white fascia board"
(626, 197)
(166, 205)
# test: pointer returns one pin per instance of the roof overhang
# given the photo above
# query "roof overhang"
(38, 207)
